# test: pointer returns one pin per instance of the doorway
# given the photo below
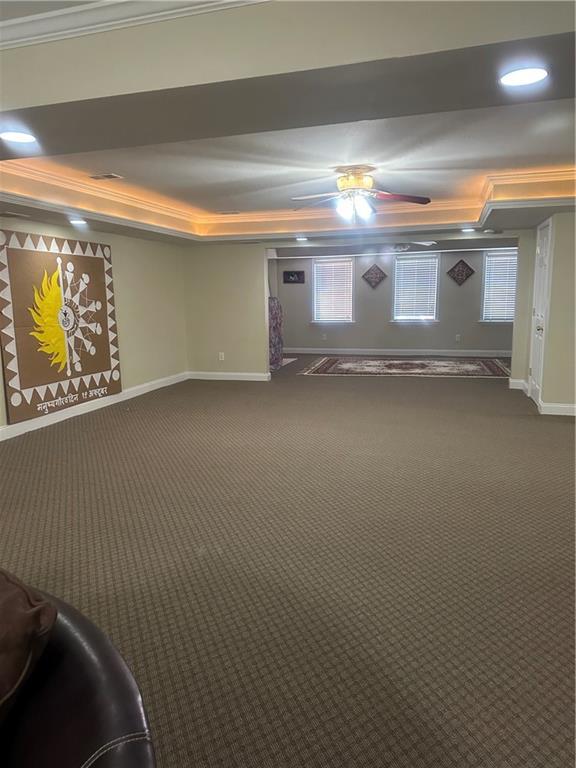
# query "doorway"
(541, 299)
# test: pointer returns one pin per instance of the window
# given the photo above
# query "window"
(499, 286)
(333, 291)
(415, 288)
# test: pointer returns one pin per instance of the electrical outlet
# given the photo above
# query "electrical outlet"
(324, 337)
(458, 337)
(220, 356)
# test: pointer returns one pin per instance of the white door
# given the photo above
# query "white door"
(539, 309)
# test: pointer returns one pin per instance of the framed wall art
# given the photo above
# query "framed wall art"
(294, 276)
(374, 276)
(460, 272)
(58, 329)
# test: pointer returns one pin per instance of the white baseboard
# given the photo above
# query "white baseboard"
(545, 409)
(14, 430)
(227, 376)
(400, 352)
(556, 409)
(518, 384)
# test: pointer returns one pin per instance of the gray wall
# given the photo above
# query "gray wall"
(459, 312)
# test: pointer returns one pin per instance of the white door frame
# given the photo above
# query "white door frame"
(535, 376)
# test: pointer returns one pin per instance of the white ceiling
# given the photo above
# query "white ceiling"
(443, 155)
(23, 23)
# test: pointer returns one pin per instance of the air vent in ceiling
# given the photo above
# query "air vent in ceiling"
(106, 176)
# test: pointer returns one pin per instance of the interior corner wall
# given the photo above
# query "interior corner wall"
(524, 302)
(459, 312)
(227, 313)
(149, 294)
(558, 385)
(272, 278)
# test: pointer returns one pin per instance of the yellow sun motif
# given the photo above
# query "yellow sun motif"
(47, 329)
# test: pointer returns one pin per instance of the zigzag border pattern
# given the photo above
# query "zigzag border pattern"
(65, 247)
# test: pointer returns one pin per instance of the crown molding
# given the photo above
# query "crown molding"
(67, 210)
(34, 173)
(317, 214)
(51, 183)
(162, 229)
(375, 233)
(103, 16)
(49, 186)
(533, 177)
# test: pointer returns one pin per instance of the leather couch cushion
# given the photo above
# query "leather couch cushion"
(26, 619)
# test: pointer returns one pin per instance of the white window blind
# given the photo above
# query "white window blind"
(415, 288)
(499, 286)
(333, 291)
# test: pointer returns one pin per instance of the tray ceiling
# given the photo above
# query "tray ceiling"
(444, 156)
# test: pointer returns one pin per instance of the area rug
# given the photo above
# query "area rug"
(461, 367)
(288, 360)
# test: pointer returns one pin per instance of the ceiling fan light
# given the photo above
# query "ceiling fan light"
(345, 208)
(354, 179)
(363, 208)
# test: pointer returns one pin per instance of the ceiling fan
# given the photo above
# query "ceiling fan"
(356, 191)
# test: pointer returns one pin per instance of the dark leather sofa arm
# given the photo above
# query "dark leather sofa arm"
(80, 707)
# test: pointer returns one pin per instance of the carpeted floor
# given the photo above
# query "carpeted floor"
(317, 572)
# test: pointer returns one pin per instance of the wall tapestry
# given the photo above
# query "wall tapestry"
(275, 342)
(57, 324)
(374, 275)
(460, 272)
(294, 276)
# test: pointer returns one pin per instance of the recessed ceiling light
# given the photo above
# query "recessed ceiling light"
(17, 137)
(301, 239)
(525, 76)
(468, 229)
(77, 221)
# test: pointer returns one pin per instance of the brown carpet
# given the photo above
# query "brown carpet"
(317, 572)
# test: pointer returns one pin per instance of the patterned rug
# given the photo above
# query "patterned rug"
(460, 367)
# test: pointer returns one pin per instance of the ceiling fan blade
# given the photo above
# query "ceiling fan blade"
(393, 197)
(312, 203)
(313, 197)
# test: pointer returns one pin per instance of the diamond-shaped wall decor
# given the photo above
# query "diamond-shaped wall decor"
(460, 272)
(374, 276)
